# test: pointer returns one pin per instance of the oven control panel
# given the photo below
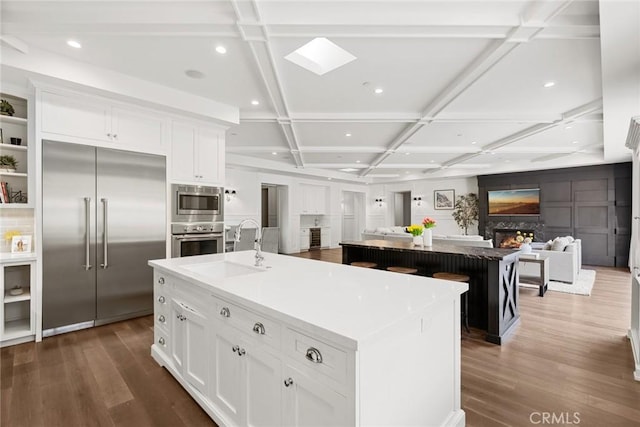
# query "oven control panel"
(197, 227)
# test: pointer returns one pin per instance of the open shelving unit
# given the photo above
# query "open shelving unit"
(16, 127)
(17, 311)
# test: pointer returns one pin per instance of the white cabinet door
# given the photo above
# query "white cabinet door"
(183, 151)
(320, 200)
(325, 237)
(177, 336)
(263, 384)
(226, 384)
(196, 350)
(306, 402)
(304, 239)
(137, 128)
(75, 117)
(209, 158)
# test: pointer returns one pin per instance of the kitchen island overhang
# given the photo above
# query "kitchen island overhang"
(493, 289)
(374, 331)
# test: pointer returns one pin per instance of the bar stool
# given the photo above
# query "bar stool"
(404, 270)
(463, 278)
(364, 264)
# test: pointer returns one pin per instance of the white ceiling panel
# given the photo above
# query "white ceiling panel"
(335, 134)
(331, 158)
(256, 134)
(570, 136)
(443, 134)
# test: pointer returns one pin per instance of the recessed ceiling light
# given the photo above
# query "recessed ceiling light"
(221, 49)
(407, 172)
(329, 178)
(357, 161)
(574, 142)
(492, 152)
(347, 134)
(407, 153)
(432, 161)
(255, 102)
(75, 44)
(274, 153)
(378, 90)
(568, 127)
(194, 74)
(474, 142)
(348, 169)
(320, 56)
(549, 84)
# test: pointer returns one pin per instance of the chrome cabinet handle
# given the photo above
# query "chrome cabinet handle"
(313, 355)
(235, 348)
(115, 136)
(105, 233)
(241, 352)
(161, 299)
(225, 312)
(161, 341)
(108, 135)
(161, 318)
(288, 382)
(87, 236)
(161, 280)
(258, 328)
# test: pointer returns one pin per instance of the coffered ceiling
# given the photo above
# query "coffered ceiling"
(463, 82)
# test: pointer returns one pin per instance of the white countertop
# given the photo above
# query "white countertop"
(8, 257)
(352, 302)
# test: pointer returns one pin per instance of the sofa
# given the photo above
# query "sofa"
(565, 260)
(398, 234)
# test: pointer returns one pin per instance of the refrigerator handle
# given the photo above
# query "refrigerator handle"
(87, 237)
(105, 233)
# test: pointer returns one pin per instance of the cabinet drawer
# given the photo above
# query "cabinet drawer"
(256, 325)
(316, 355)
(161, 302)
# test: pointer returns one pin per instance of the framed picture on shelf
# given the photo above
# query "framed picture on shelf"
(20, 244)
(444, 199)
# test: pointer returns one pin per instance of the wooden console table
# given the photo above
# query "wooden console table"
(542, 280)
(493, 288)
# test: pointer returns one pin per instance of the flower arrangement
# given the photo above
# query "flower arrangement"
(428, 222)
(415, 229)
(8, 235)
(520, 237)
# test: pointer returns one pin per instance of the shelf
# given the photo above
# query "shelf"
(15, 206)
(24, 296)
(13, 147)
(13, 119)
(17, 329)
(14, 174)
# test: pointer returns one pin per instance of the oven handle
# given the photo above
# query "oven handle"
(191, 237)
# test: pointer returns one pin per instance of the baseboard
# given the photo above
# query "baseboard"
(456, 418)
(634, 336)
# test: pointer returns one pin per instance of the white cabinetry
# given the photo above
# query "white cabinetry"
(13, 129)
(17, 311)
(304, 239)
(325, 237)
(197, 154)
(314, 199)
(97, 121)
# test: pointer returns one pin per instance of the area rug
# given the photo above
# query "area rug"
(582, 286)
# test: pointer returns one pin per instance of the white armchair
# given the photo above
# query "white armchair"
(564, 266)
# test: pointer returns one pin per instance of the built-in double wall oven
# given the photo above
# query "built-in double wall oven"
(197, 214)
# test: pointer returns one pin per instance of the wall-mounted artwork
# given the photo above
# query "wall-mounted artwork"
(444, 199)
(514, 202)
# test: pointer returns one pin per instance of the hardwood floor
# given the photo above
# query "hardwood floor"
(569, 358)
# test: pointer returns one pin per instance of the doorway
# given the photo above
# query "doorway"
(353, 215)
(274, 212)
(402, 208)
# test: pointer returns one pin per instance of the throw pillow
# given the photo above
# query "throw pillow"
(559, 243)
(570, 239)
(547, 246)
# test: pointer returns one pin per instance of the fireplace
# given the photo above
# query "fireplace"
(511, 238)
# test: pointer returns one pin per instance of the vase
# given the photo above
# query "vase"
(417, 240)
(426, 237)
(525, 248)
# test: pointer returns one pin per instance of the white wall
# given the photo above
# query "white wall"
(247, 203)
(382, 216)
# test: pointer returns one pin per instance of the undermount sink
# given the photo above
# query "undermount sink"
(221, 269)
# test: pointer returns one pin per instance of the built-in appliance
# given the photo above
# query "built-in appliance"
(196, 203)
(189, 239)
(314, 238)
(103, 218)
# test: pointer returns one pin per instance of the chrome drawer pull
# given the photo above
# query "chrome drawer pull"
(225, 312)
(288, 382)
(313, 355)
(235, 348)
(241, 352)
(161, 280)
(161, 318)
(161, 299)
(258, 328)
(161, 341)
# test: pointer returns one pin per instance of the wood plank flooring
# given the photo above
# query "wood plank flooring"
(569, 357)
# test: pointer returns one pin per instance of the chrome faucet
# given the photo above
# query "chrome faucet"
(258, 243)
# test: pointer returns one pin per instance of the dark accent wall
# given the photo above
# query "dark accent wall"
(592, 203)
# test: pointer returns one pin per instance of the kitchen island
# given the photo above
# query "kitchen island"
(493, 287)
(304, 342)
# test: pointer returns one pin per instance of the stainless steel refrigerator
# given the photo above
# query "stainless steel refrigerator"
(103, 215)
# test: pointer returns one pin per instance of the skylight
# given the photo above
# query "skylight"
(320, 56)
